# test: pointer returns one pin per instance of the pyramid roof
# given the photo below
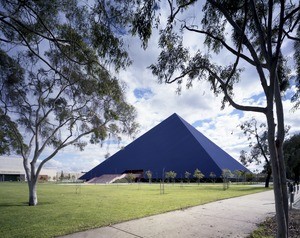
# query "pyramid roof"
(171, 145)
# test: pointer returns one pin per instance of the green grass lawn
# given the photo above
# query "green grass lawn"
(64, 209)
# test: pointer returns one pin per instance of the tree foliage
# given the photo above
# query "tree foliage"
(57, 88)
(187, 176)
(212, 176)
(238, 174)
(226, 175)
(291, 148)
(198, 175)
(259, 148)
(171, 175)
(258, 142)
(130, 177)
(149, 175)
(8, 144)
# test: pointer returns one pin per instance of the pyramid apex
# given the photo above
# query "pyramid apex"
(175, 114)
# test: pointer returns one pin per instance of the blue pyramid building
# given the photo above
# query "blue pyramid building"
(171, 145)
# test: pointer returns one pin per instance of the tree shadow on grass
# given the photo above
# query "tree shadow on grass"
(14, 204)
(23, 204)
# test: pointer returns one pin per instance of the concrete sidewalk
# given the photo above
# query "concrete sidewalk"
(296, 204)
(234, 217)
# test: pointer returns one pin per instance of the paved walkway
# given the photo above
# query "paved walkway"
(235, 217)
(296, 204)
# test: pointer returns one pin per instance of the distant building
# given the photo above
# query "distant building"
(172, 145)
(11, 169)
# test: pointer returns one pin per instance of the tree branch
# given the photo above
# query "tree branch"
(290, 14)
(280, 33)
(291, 37)
(260, 31)
(233, 51)
(258, 64)
(63, 145)
(239, 48)
(224, 88)
(173, 15)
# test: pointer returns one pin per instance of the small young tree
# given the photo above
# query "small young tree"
(226, 174)
(171, 175)
(237, 174)
(149, 176)
(198, 175)
(187, 176)
(212, 176)
(167, 176)
(130, 177)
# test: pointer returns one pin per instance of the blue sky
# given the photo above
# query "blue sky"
(143, 93)
(198, 106)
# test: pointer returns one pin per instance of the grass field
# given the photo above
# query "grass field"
(64, 209)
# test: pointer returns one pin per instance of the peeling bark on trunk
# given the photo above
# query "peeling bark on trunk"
(32, 182)
(32, 193)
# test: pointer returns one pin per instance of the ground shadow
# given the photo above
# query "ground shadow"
(14, 204)
(23, 204)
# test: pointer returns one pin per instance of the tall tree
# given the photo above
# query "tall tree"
(56, 89)
(253, 33)
(291, 148)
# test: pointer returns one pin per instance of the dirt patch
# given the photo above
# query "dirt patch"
(269, 227)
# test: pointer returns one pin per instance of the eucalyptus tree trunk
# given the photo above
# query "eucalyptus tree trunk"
(32, 193)
(279, 150)
(281, 216)
(275, 140)
(31, 181)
